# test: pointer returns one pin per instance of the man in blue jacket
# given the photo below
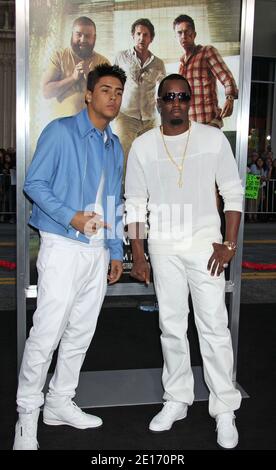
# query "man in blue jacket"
(75, 182)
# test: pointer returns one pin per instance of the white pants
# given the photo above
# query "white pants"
(72, 280)
(173, 277)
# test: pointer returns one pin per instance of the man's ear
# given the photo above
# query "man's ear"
(88, 97)
(158, 105)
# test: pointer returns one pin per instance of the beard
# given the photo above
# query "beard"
(176, 121)
(85, 52)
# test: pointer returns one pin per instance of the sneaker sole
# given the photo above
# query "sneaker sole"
(168, 429)
(227, 448)
(53, 422)
(24, 449)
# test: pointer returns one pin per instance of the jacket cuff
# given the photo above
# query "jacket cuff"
(116, 252)
(66, 216)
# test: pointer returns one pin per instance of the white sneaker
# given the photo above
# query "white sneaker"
(70, 414)
(228, 436)
(26, 431)
(172, 411)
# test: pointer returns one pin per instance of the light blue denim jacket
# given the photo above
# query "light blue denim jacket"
(55, 180)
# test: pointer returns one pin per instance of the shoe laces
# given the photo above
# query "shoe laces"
(77, 409)
(168, 407)
(28, 431)
(28, 426)
(225, 421)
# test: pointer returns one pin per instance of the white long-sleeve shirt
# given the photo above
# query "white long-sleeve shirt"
(183, 218)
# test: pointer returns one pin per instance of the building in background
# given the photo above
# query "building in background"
(7, 74)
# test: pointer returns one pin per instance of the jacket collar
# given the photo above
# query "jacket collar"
(86, 126)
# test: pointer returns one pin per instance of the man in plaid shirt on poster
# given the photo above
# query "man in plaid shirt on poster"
(202, 66)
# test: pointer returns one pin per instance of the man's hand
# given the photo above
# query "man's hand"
(80, 71)
(88, 222)
(227, 109)
(221, 255)
(141, 271)
(115, 271)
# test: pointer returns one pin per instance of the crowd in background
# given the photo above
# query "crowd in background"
(263, 165)
(7, 185)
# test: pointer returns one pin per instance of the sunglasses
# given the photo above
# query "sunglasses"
(182, 97)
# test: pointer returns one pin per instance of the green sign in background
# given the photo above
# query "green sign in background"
(252, 186)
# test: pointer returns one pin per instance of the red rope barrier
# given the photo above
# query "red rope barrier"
(246, 264)
(259, 266)
(7, 265)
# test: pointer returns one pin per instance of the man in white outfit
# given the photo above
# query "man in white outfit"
(172, 172)
(75, 183)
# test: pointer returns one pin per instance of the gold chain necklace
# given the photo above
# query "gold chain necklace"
(181, 166)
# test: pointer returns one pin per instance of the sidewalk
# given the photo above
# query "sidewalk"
(259, 247)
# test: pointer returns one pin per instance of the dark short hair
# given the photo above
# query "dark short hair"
(85, 21)
(182, 19)
(173, 76)
(104, 70)
(143, 22)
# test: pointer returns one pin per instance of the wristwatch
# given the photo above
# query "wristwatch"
(232, 246)
(230, 97)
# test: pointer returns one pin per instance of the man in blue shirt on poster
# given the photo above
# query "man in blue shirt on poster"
(74, 182)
